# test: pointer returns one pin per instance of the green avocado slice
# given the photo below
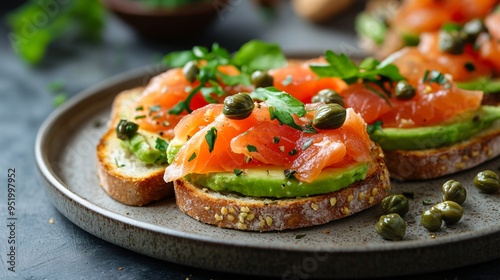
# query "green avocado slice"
(460, 128)
(485, 84)
(141, 145)
(261, 182)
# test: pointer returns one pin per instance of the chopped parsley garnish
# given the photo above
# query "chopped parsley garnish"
(369, 70)
(140, 108)
(210, 137)
(154, 108)
(289, 174)
(237, 172)
(434, 76)
(288, 80)
(118, 164)
(251, 148)
(276, 139)
(254, 55)
(193, 156)
(282, 106)
(139, 117)
(307, 144)
(161, 145)
(371, 128)
(308, 128)
(292, 152)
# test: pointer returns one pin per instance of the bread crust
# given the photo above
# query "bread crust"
(120, 174)
(264, 214)
(434, 163)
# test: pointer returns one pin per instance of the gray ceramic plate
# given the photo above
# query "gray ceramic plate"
(348, 248)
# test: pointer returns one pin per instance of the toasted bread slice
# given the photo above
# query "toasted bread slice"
(265, 214)
(123, 176)
(433, 163)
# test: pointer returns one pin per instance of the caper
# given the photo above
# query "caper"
(190, 71)
(391, 227)
(487, 181)
(452, 42)
(238, 106)
(432, 219)
(126, 129)
(261, 79)
(329, 116)
(395, 203)
(328, 96)
(404, 90)
(472, 29)
(451, 211)
(454, 191)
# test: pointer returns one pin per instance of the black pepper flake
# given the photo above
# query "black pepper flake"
(289, 173)
(237, 172)
(476, 118)
(292, 152)
(469, 66)
(299, 236)
(161, 133)
(276, 139)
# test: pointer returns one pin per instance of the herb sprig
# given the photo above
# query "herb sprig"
(282, 106)
(254, 55)
(369, 70)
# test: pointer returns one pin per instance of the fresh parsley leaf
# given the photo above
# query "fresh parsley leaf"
(251, 148)
(281, 105)
(369, 70)
(259, 55)
(434, 76)
(234, 80)
(118, 164)
(179, 58)
(161, 145)
(210, 137)
(193, 156)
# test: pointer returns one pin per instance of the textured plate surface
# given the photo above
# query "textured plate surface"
(347, 248)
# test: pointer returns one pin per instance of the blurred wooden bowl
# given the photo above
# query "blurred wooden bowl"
(167, 23)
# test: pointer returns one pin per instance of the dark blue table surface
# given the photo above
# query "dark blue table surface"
(61, 250)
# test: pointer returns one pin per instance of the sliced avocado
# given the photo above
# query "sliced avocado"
(460, 128)
(143, 146)
(371, 27)
(262, 182)
(173, 149)
(486, 84)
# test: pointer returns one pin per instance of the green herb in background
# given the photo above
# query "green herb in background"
(169, 3)
(37, 24)
(56, 87)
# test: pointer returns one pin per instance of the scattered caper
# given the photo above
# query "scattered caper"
(126, 129)
(238, 106)
(261, 79)
(391, 227)
(395, 203)
(452, 42)
(328, 96)
(329, 116)
(404, 90)
(190, 71)
(451, 211)
(473, 28)
(432, 219)
(487, 181)
(454, 191)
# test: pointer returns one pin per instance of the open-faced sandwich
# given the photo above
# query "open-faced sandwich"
(274, 165)
(131, 155)
(460, 38)
(427, 127)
